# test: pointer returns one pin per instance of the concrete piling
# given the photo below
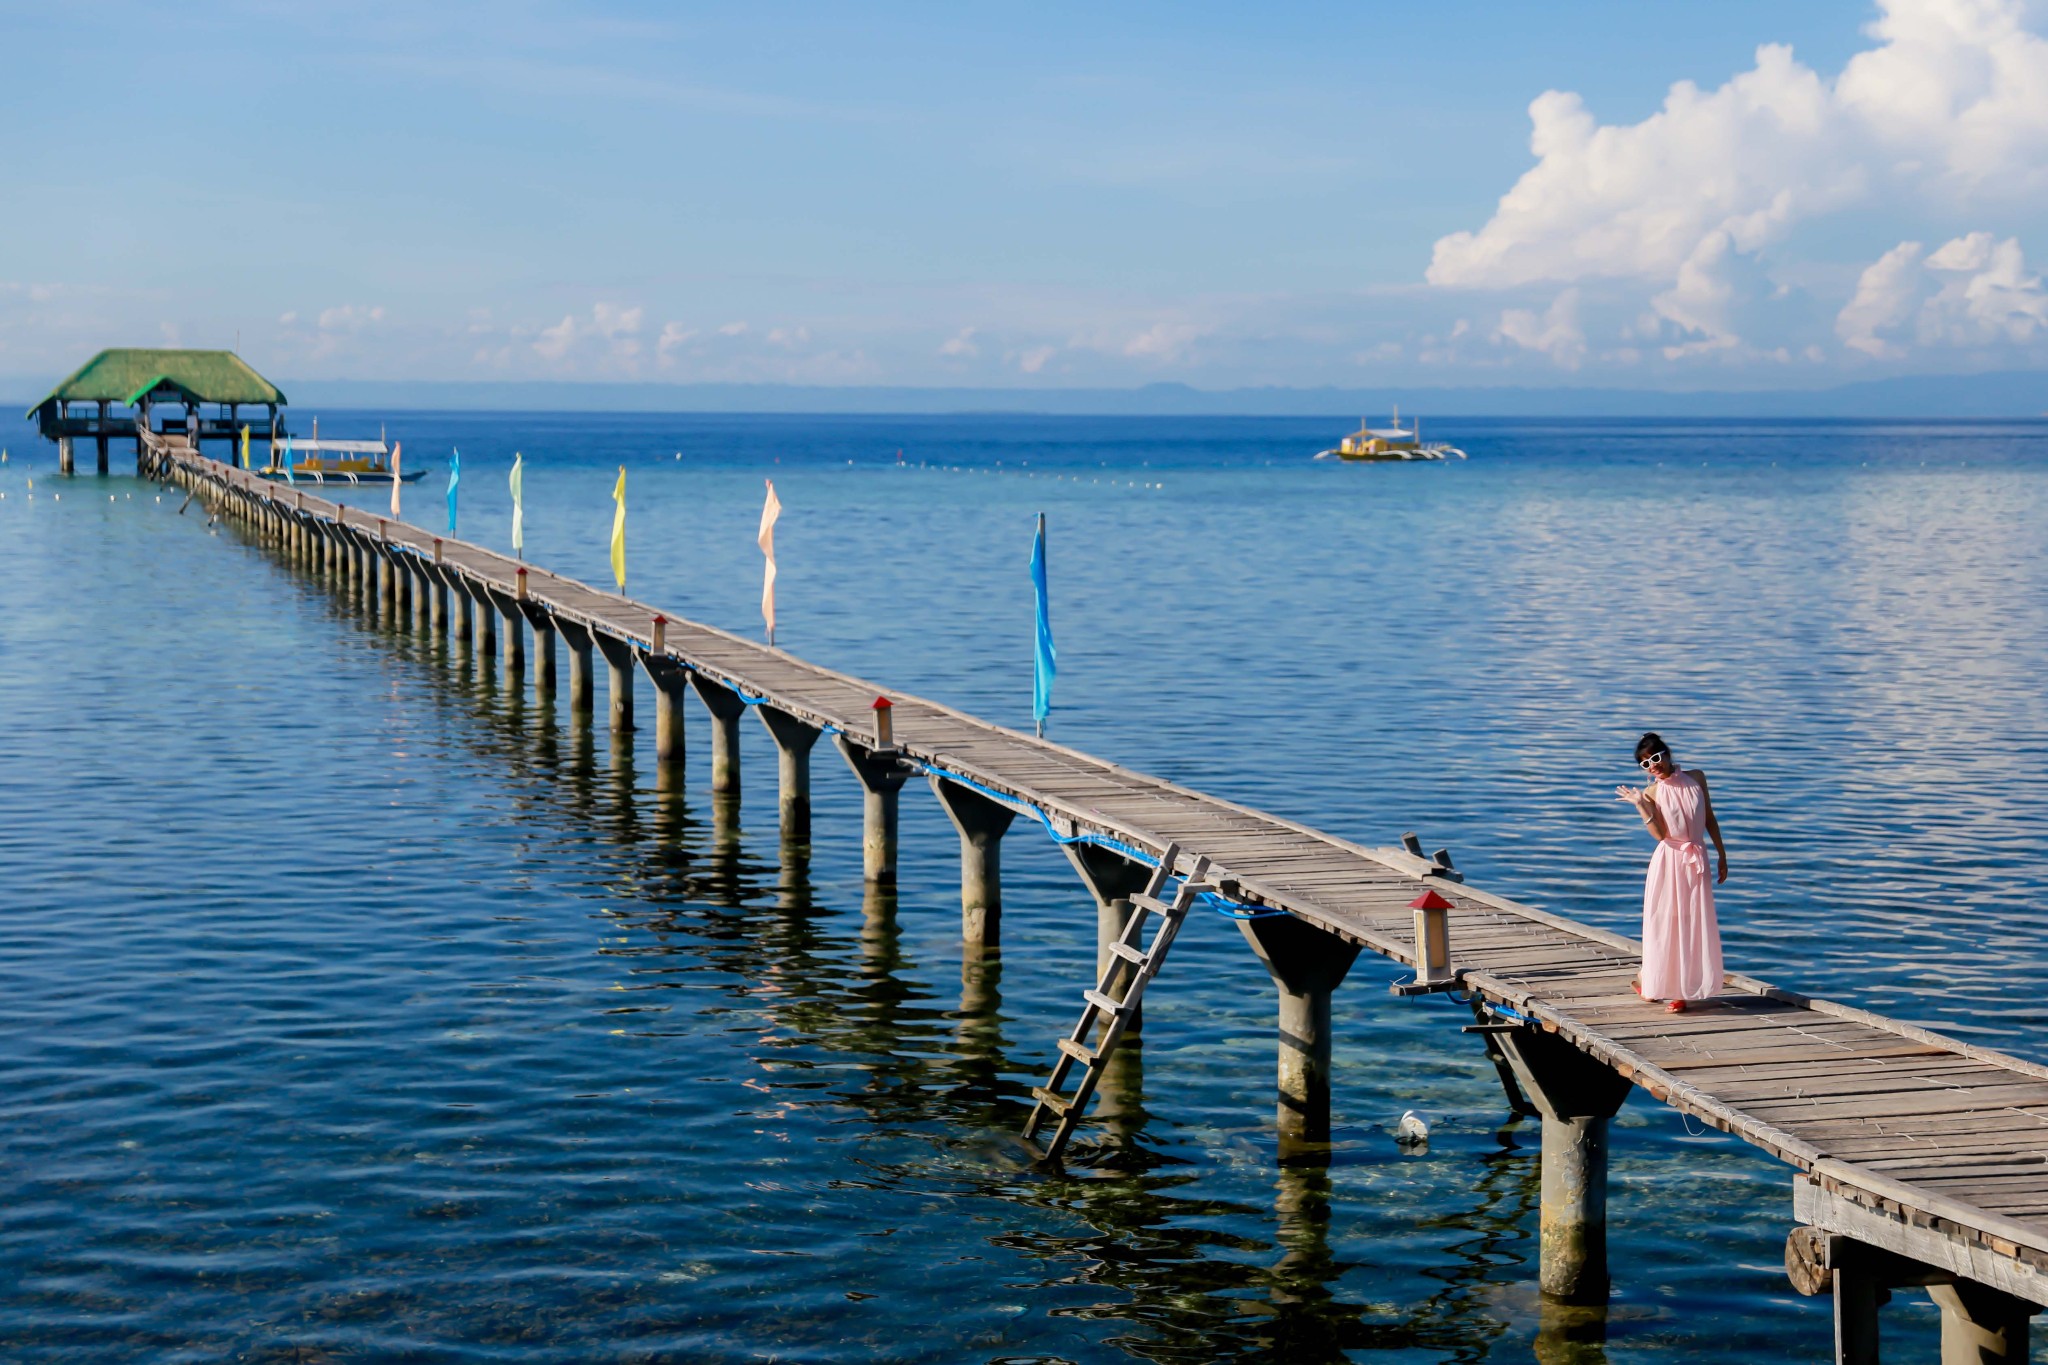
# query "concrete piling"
(981, 823)
(1576, 1096)
(618, 657)
(1307, 964)
(882, 775)
(725, 708)
(1112, 880)
(582, 685)
(671, 684)
(793, 742)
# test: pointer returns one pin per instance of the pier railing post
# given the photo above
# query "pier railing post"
(618, 658)
(671, 682)
(1577, 1096)
(725, 708)
(793, 741)
(981, 823)
(1112, 879)
(1307, 964)
(882, 776)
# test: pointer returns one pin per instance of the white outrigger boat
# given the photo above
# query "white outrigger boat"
(1388, 443)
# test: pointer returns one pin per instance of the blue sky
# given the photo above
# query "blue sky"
(1044, 195)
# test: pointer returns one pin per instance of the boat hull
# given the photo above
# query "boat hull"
(340, 476)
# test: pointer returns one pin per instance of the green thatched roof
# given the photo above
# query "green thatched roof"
(122, 376)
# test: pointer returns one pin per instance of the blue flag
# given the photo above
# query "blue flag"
(1045, 663)
(454, 478)
(290, 477)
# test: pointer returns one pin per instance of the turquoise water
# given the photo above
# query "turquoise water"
(358, 1010)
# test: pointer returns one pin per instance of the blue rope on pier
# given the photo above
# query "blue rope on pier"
(1222, 905)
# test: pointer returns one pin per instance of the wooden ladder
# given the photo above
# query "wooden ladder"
(1134, 967)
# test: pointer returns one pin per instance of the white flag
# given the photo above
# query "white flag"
(518, 504)
(395, 449)
(770, 510)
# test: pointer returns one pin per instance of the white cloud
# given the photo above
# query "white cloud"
(674, 336)
(611, 335)
(1884, 299)
(349, 317)
(961, 343)
(733, 329)
(1555, 334)
(1164, 341)
(1690, 210)
(1973, 291)
(1033, 360)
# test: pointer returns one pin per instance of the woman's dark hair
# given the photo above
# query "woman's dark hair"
(1650, 744)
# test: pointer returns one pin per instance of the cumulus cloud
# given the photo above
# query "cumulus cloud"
(961, 344)
(1032, 360)
(1974, 291)
(1555, 334)
(350, 317)
(1164, 341)
(1949, 106)
(611, 333)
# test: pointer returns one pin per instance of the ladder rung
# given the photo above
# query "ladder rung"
(1151, 904)
(1104, 1003)
(1127, 952)
(1059, 1104)
(1084, 1055)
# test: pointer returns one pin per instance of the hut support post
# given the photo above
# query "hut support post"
(981, 823)
(793, 742)
(1307, 964)
(881, 778)
(1112, 880)
(671, 681)
(1576, 1096)
(64, 459)
(725, 707)
(618, 658)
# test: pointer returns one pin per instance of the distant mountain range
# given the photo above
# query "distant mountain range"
(2002, 394)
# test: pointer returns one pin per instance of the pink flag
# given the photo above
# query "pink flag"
(770, 510)
(394, 480)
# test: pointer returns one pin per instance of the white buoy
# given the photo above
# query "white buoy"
(1412, 1130)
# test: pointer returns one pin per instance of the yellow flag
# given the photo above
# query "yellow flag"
(245, 447)
(619, 530)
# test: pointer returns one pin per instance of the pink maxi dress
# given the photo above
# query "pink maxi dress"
(1681, 937)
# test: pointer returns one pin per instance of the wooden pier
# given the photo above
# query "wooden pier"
(1918, 1160)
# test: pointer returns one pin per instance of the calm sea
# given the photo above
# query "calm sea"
(354, 1010)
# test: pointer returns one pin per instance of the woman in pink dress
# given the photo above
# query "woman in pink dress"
(1681, 937)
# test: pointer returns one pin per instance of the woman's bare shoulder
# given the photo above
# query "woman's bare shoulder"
(1698, 775)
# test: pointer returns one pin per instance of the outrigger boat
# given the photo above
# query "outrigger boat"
(318, 461)
(1388, 443)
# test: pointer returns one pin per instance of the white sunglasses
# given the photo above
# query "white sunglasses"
(1646, 764)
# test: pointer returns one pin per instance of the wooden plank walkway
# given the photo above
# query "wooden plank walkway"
(1918, 1130)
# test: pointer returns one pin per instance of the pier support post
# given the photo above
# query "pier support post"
(882, 776)
(486, 621)
(725, 707)
(793, 740)
(618, 658)
(64, 465)
(437, 599)
(1112, 880)
(512, 640)
(1306, 964)
(981, 823)
(543, 623)
(458, 597)
(582, 692)
(1576, 1096)
(671, 682)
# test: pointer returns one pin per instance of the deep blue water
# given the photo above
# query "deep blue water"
(357, 1010)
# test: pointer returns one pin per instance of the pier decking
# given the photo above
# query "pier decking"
(1919, 1159)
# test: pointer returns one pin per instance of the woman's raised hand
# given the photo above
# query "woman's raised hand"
(1632, 795)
